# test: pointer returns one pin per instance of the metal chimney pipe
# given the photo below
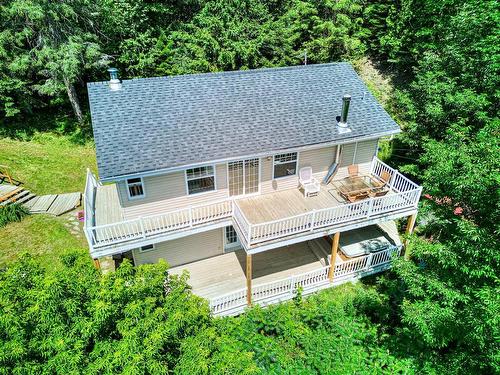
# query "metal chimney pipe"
(346, 101)
(114, 83)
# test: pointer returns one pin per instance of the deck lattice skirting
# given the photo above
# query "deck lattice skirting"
(277, 291)
(404, 194)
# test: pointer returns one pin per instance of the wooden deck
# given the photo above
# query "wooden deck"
(287, 203)
(54, 204)
(107, 205)
(225, 273)
(263, 220)
(6, 189)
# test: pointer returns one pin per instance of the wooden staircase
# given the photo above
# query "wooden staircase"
(319, 247)
(54, 204)
(14, 194)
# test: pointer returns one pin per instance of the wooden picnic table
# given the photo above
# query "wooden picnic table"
(359, 187)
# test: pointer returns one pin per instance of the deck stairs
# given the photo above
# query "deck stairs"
(55, 204)
(14, 194)
(319, 249)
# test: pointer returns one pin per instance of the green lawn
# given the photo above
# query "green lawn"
(379, 84)
(42, 236)
(48, 164)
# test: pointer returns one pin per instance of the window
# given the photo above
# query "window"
(143, 249)
(285, 165)
(243, 177)
(231, 241)
(135, 188)
(200, 180)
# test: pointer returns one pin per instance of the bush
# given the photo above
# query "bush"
(11, 213)
(76, 320)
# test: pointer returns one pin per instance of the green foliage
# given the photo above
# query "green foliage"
(231, 35)
(47, 163)
(46, 48)
(445, 300)
(323, 334)
(11, 213)
(438, 313)
(75, 320)
(44, 237)
(50, 49)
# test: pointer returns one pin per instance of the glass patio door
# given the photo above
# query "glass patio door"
(243, 177)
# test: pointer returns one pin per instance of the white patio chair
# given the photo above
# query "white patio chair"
(308, 182)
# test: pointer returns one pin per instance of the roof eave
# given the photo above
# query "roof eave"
(178, 168)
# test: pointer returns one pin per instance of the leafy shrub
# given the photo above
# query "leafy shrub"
(11, 213)
(323, 334)
(77, 320)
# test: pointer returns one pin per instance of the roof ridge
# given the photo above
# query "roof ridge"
(230, 72)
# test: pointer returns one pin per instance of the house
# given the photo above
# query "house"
(257, 182)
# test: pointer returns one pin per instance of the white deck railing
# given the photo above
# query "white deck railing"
(403, 194)
(147, 226)
(285, 289)
(91, 185)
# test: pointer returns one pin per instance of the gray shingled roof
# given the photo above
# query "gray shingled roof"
(160, 123)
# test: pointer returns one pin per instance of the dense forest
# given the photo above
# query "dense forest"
(437, 312)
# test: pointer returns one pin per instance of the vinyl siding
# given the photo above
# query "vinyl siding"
(183, 250)
(365, 151)
(347, 154)
(168, 192)
(361, 155)
(319, 159)
(357, 154)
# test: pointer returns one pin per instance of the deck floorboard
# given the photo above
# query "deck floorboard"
(287, 203)
(64, 203)
(43, 203)
(107, 205)
(226, 273)
(223, 274)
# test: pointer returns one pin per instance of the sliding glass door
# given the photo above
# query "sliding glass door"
(243, 177)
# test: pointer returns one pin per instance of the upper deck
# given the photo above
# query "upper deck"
(262, 222)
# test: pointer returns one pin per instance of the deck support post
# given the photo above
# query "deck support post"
(410, 226)
(249, 279)
(97, 264)
(335, 246)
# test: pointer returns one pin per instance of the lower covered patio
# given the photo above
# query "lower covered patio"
(276, 275)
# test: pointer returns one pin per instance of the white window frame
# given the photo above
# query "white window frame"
(296, 165)
(131, 198)
(244, 177)
(230, 246)
(141, 250)
(201, 192)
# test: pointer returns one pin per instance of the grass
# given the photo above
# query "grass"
(12, 213)
(379, 84)
(43, 236)
(48, 163)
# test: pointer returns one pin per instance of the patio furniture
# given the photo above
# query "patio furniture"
(384, 178)
(378, 192)
(308, 182)
(381, 185)
(353, 170)
(361, 187)
(357, 196)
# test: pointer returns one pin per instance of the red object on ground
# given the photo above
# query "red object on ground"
(80, 215)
